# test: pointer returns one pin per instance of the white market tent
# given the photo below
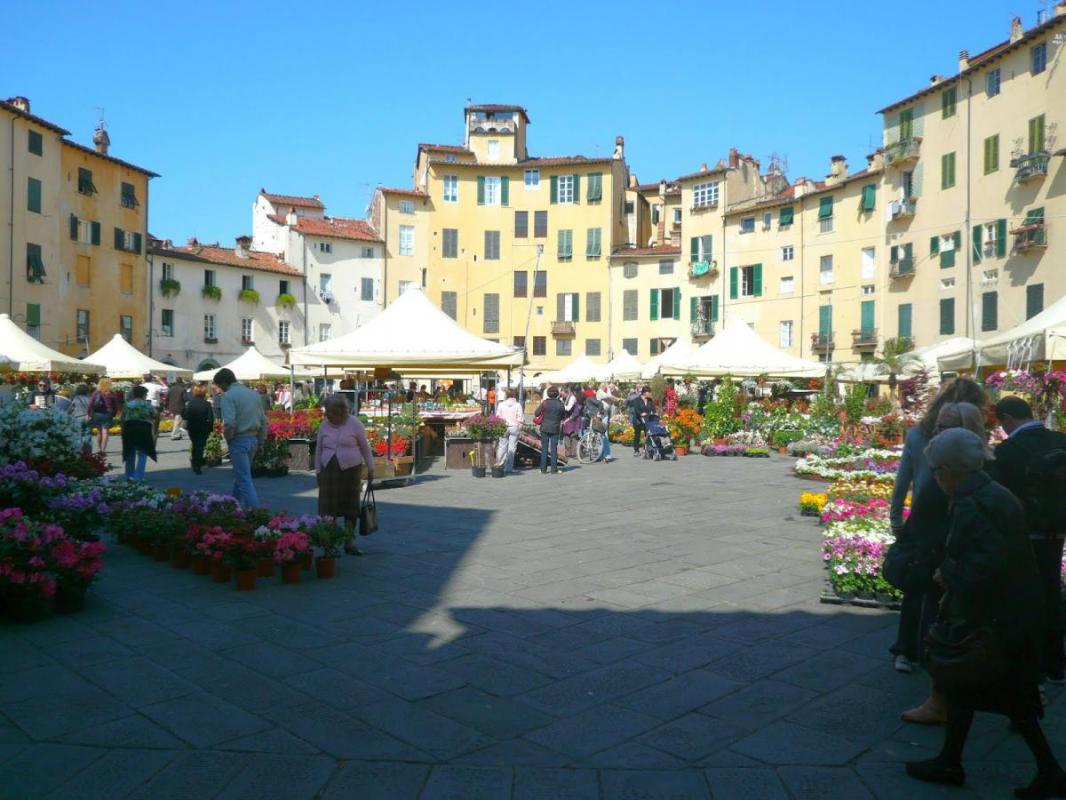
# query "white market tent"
(678, 350)
(1042, 338)
(122, 360)
(955, 348)
(624, 367)
(580, 370)
(251, 366)
(410, 335)
(741, 352)
(26, 354)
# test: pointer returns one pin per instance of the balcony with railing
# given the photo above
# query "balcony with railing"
(822, 342)
(1030, 166)
(703, 269)
(1030, 235)
(864, 339)
(904, 207)
(506, 125)
(903, 152)
(703, 329)
(564, 329)
(903, 268)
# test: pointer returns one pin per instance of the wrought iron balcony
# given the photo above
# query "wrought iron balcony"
(902, 269)
(562, 328)
(822, 342)
(1031, 235)
(1030, 166)
(904, 207)
(703, 329)
(904, 151)
(864, 339)
(703, 269)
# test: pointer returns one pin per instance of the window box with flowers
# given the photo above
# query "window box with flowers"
(169, 287)
(212, 292)
(249, 296)
(286, 300)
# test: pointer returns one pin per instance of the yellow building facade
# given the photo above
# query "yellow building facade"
(75, 238)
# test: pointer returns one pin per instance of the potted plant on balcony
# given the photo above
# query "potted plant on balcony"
(169, 286)
(249, 296)
(286, 300)
(211, 292)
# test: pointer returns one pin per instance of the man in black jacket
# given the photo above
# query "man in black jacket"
(1017, 467)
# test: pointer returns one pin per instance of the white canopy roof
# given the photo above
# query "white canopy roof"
(624, 366)
(579, 370)
(1042, 338)
(679, 350)
(410, 334)
(739, 351)
(122, 360)
(26, 354)
(251, 366)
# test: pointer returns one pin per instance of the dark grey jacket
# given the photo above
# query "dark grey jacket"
(553, 411)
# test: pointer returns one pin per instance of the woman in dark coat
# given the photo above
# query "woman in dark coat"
(138, 434)
(199, 420)
(551, 412)
(990, 582)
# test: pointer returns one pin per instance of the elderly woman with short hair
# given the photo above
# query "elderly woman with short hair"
(991, 590)
(341, 449)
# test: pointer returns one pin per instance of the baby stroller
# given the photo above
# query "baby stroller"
(657, 444)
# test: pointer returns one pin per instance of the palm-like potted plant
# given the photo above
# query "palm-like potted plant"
(329, 536)
(896, 356)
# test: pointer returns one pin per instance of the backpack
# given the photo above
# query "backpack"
(1045, 498)
(99, 404)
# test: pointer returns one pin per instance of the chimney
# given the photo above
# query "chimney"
(633, 182)
(619, 147)
(290, 218)
(838, 168)
(703, 167)
(244, 244)
(662, 187)
(935, 79)
(20, 102)
(964, 60)
(799, 188)
(192, 242)
(1059, 9)
(734, 158)
(101, 139)
(1016, 30)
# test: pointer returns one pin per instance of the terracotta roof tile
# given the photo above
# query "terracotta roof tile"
(491, 107)
(93, 152)
(332, 227)
(213, 254)
(33, 118)
(657, 250)
(292, 200)
(529, 163)
(445, 148)
(672, 187)
(404, 192)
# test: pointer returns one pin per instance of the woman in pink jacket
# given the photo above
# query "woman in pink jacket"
(511, 412)
(341, 449)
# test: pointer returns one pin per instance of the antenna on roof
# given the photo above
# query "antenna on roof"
(100, 114)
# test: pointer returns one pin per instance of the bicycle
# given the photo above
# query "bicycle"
(590, 446)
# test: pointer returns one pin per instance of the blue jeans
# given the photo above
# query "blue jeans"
(549, 441)
(606, 440)
(135, 465)
(241, 452)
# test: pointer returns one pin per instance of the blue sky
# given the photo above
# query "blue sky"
(333, 97)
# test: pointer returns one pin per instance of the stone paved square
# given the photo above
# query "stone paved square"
(633, 630)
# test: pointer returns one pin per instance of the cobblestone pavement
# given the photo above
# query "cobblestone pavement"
(634, 630)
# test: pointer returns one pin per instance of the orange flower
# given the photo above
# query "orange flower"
(174, 491)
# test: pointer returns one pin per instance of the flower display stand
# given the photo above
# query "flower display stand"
(301, 454)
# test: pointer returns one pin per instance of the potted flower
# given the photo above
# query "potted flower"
(477, 468)
(215, 544)
(27, 585)
(169, 286)
(211, 292)
(265, 540)
(75, 565)
(289, 551)
(286, 300)
(249, 296)
(329, 536)
(242, 555)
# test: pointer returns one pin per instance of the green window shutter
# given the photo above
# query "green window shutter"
(33, 314)
(1036, 134)
(137, 243)
(977, 242)
(785, 215)
(947, 316)
(714, 308)
(825, 208)
(481, 190)
(96, 233)
(708, 247)
(934, 245)
(33, 195)
(867, 316)
(560, 307)
(908, 253)
(654, 304)
(947, 258)
(694, 249)
(869, 196)
(595, 190)
(577, 307)
(825, 320)
(120, 239)
(73, 227)
(732, 283)
(505, 190)
(693, 308)
(989, 309)
(906, 124)
(677, 303)
(893, 255)
(555, 189)
(904, 321)
(1001, 238)
(756, 280)
(577, 188)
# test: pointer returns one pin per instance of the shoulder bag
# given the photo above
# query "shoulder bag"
(368, 512)
(538, 417)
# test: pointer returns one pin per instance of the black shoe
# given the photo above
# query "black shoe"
(936, 771)
(352, 550)
(555, 472)
(1044, 785)
(197, 471)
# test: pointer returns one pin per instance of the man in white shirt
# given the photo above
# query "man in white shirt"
(155, 391)
(511, 413)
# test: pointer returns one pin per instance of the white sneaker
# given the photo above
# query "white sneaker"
(903, 664)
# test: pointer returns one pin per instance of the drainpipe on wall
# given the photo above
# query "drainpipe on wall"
(967, 233)
(803, 295)
(385, 254)
(151, 269)
(303, 251)
(11, 231)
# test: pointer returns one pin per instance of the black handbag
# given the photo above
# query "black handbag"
(368, 513)
(968, 662)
